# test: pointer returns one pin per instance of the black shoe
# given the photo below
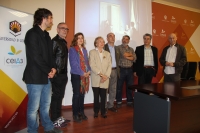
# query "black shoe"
(130, 104)
(95, 115)
(54, 130)
(77, 119)
(104, 116)
(119, 105)
(113, 109)
(83, 116)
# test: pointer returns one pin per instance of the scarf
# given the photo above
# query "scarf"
(84, 83)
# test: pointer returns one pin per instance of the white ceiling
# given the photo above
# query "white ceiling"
(195, 4)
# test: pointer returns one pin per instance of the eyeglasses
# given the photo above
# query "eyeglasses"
(63, 28)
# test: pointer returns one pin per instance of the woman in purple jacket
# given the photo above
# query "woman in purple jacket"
(80, 72)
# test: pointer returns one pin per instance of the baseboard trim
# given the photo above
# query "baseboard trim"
(86, 105)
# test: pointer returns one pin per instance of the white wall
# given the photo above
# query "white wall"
(57, 7)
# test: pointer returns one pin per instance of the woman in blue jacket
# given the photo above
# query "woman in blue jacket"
(80, 72)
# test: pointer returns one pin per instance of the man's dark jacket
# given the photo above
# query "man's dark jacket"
(181, 58)
(138, 66)
(60, 52)
(39, 55)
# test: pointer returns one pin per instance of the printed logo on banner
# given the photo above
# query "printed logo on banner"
(173, 20)
(15, 28)
(192, 23)
(14, 58)
(190, 51)
(154, 32)
(185, 22)
(153, 16)
(165, 18)
(183, 36)
(163, 34)
(14, 52)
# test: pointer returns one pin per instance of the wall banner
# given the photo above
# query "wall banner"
(184, 23)
(13, 93)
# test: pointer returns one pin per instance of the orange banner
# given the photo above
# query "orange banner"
(185, 24)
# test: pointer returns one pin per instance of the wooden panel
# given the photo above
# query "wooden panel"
(185, 116)
(171, 90)
(70, 19)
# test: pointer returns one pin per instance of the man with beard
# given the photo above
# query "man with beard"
(40, 68)
(127, 57)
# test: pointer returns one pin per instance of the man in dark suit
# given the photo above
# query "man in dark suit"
(146, 65)
(173, 58)
(114, 52)
(39, 69)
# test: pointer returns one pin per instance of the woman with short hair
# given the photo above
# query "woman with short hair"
(100, 63)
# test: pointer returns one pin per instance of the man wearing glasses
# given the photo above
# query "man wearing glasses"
(59, 82)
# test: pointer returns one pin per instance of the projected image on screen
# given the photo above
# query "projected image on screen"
(109, 18)
(110, 21)
(122, 17)
(99, 17)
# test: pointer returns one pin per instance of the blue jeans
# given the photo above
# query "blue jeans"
(78, 97)
(126, 74)
(39, 97)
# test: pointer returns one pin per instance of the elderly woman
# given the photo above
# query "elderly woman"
(100, 63)
(80, 71)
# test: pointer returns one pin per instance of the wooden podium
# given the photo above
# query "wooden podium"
(167, 107)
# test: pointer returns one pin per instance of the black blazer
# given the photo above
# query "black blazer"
(181, 58)
(39, 56)
(138, 66)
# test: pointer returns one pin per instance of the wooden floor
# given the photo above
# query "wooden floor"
(120, 122)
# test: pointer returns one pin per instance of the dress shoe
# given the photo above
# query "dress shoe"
(113, 109)
(119, 105)
(106, 110)
(77, 119)
(83, 116)
(95, 115)
(104, 116)
(130, 104)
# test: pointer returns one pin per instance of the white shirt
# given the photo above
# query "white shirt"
(100, 54)
(148, 56)
(82, 51)
(112, 53)
(170, 57)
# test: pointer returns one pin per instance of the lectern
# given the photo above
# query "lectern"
(167, 107)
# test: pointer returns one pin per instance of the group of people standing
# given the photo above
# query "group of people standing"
(109, 66)
(104, 64)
